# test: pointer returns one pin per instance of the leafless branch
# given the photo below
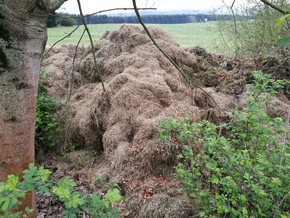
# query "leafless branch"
(68, 35)
(70, 87)
(235, 23)
(282, 10)
(72, 71)
(233, 4)
(192, 83)
(92, 45)
(117, 9)
(98, 12)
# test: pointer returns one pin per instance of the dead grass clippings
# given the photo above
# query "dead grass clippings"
(142, 87)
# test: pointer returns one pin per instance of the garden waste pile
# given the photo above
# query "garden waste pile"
(120, 121)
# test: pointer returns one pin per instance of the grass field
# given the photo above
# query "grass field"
(205, 35)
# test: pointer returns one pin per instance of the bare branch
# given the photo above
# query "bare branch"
(117, 9)
(71, 75)
(283, 11)
(235, 24)
(98, 12)
(63, 38)
(233, 4)
(70, 88)
(92, 46)
(192, 83)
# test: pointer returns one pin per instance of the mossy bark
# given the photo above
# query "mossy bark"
(22, 41)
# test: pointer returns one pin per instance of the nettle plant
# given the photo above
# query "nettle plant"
(73, 201)
(241, 168)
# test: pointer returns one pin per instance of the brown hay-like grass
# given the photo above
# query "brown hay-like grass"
(163, 205)
(142, 87)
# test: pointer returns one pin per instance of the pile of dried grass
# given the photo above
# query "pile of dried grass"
(142, 87)
(163, 205)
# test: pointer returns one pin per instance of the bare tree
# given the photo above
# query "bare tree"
(22, 40)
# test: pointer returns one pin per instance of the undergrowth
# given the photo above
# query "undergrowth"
(74, 202)
(240, 168)
(47, 128)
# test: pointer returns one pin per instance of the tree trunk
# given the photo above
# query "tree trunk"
(22, 41)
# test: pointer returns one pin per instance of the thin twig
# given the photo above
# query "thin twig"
(282, 10)
(88, 15)
(233, 14)
(224, 39)
(92, 45)
(235, 24)
(68, 35)
(73, 67)
(283, 200)
(167, 56)
(118, 9)
(70, 87)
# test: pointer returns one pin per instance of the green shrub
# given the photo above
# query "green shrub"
(256, 34)
(244, 172)
(47, 126)
(73, 201)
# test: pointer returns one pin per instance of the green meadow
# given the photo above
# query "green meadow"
(205, 35)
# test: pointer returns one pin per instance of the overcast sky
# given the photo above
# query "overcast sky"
(91, 6)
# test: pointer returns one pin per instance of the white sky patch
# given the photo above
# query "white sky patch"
(91, 6)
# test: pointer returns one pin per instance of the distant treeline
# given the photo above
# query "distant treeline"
(67, 19)
(157, 19)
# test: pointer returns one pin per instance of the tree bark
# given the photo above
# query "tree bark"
(22, 40)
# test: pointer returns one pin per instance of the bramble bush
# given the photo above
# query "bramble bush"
(73, 201)
(243, 172)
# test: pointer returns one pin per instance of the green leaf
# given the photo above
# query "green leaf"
(6, 204)
(202, 214)
(243, 198)
(113, 196)
(248, 177)
(2, 186)
(62, 192)
(31, 166)
(244, 211)
(75, 202)
(14, 201)
(215, 180)
(276, 182)
(283, 41)
(281, 19)
(12, 181)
